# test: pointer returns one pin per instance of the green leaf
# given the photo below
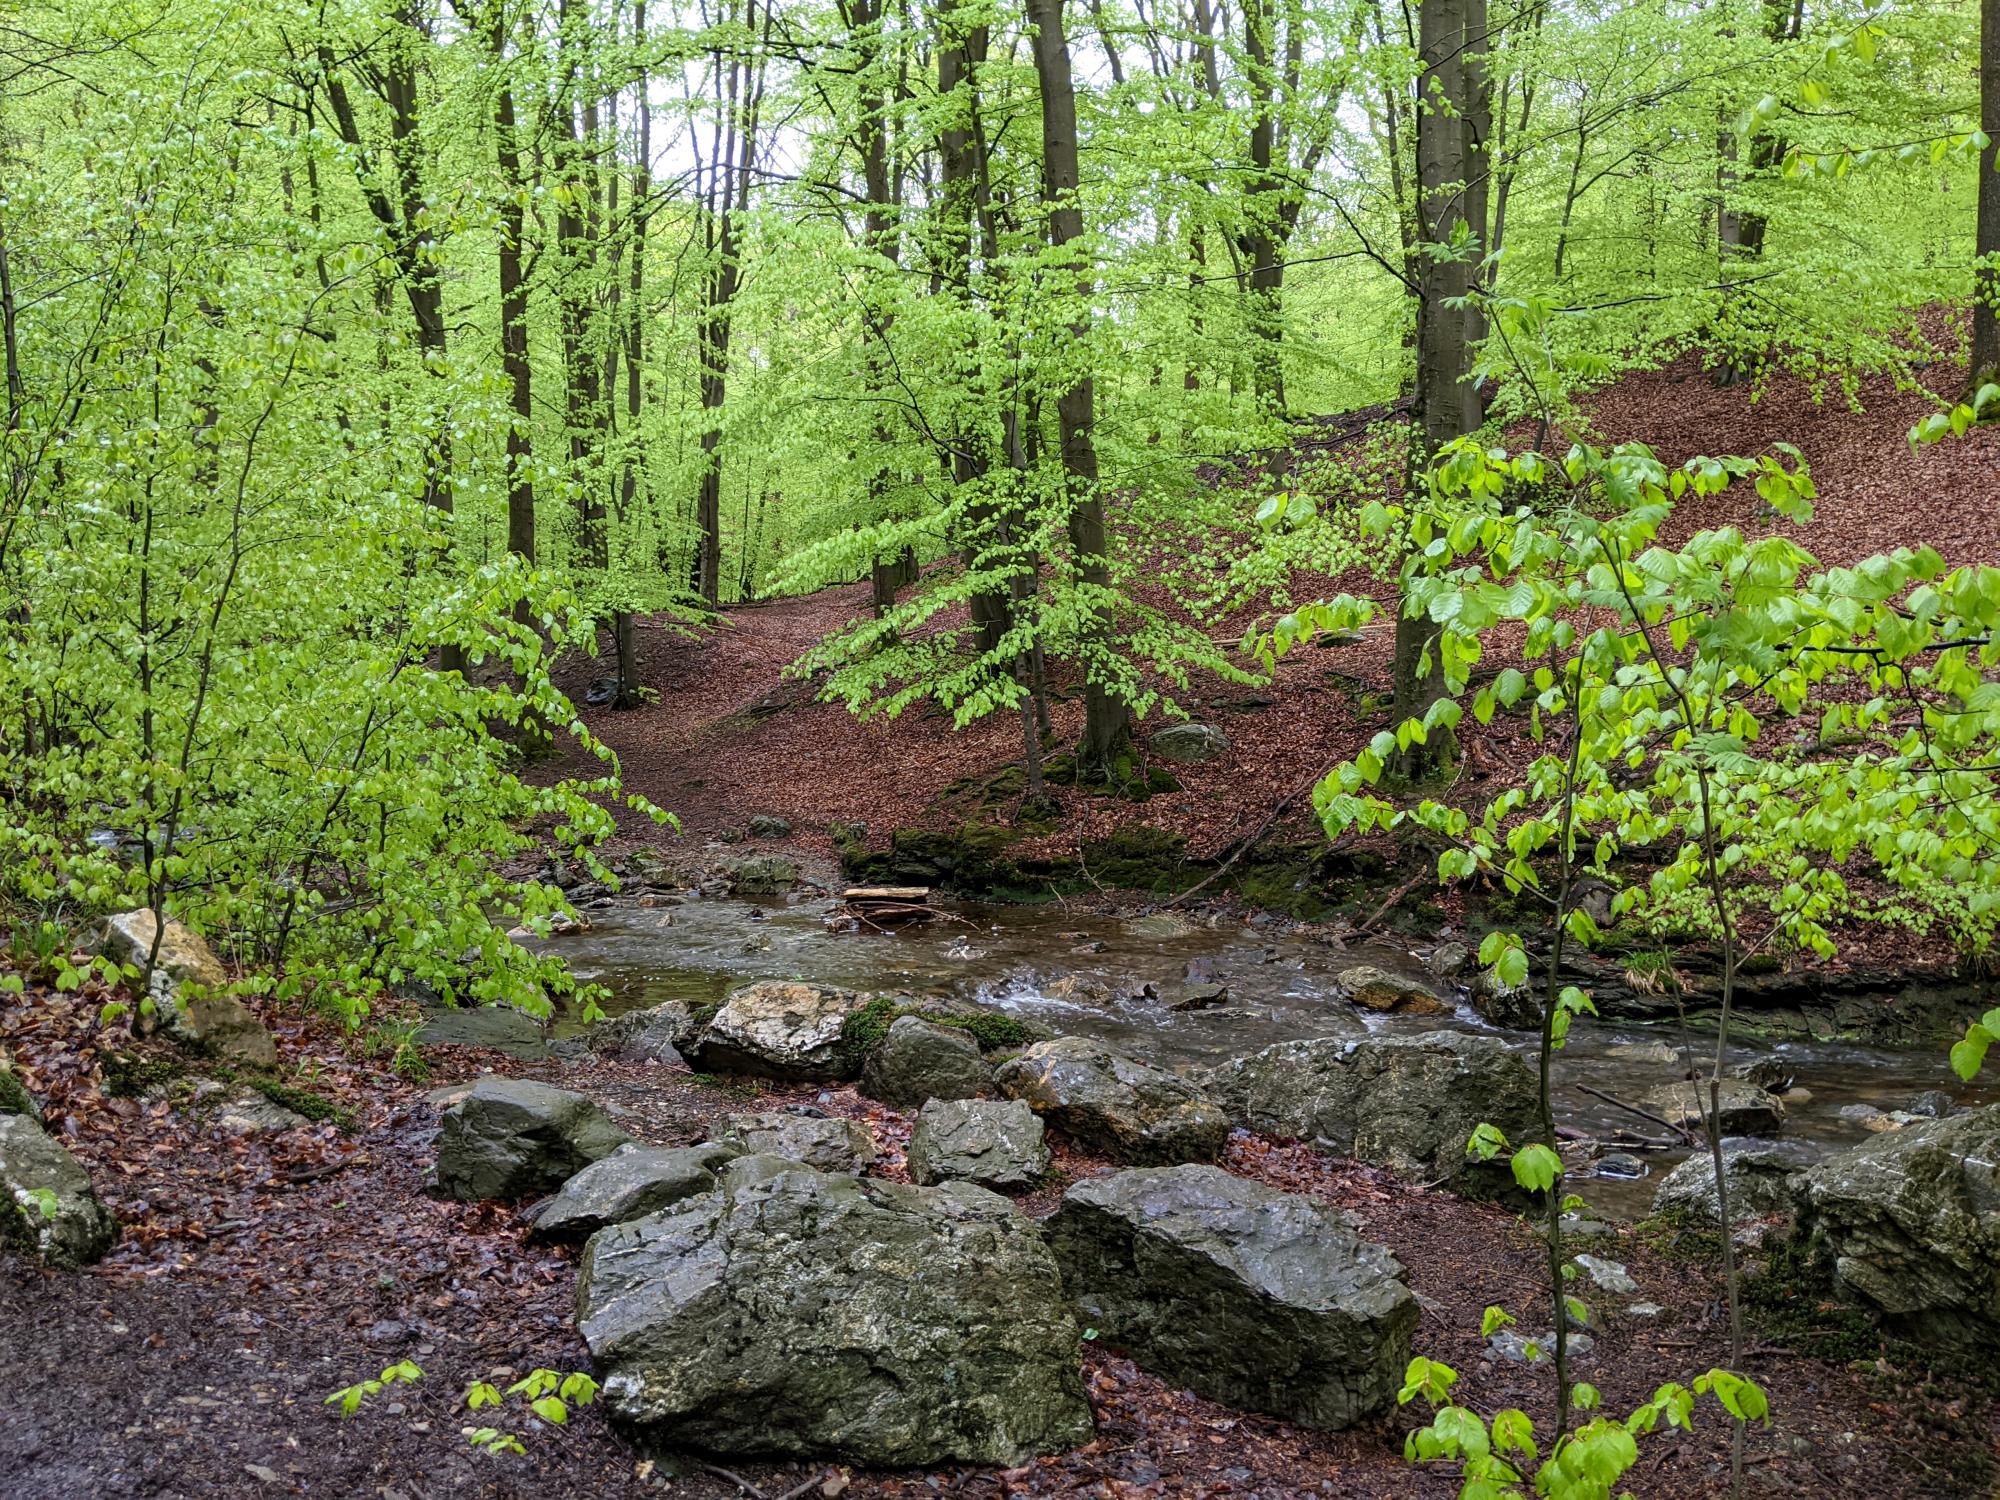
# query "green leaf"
(1536, 1168)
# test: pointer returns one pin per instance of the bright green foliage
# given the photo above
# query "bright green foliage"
(349, 1398)
(1499, 1459)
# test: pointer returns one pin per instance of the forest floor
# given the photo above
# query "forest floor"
(729, 735)
(259, 1274)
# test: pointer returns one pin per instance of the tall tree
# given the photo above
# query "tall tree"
(1107, 723)
(1452, 115)
(1985, 363)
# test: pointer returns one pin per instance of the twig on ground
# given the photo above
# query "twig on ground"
(733, 1477)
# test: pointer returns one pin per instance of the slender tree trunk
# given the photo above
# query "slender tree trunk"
(1107, 723)
(1985, 363)
(961, 51)
(1261, 211)
(624, 643)
(1450, 157)
(514, 361)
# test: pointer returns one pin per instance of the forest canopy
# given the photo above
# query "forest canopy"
(361, 360)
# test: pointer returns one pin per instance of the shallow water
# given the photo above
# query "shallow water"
(1281, 987)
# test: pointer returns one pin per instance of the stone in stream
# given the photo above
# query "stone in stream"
(782, 1029)
(1743, 1107)
(1909, 1224)
(655, 1034)
(1373, 988)
(831, 1145)
(1108, 1102)
(1759, 1175)
(1407, 1102)
(1188, 744)
(1932, 1104)
(187, 987)
(48, 1208)
(995, 1143)
(921, 1060)
(630, 1183)
(513, 1138)
(1260, 1299)
(791, 1312)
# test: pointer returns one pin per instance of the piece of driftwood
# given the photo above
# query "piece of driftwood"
(884, 906)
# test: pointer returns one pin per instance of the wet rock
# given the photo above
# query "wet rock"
(649, 866)
(1410, 1103)
(1159, 924)
(1742, 1107)
(782, 1029)
(1081, 989)
(253, 1114)
(512, 1138)
(186, 988)
(1606, 1275)
(1759, 1175)
(1197, 997)
(1910, 1225)
(499, 1028)
(1622, 1165)
(994, 1143)
(1373, 988)
(1263, 1300)
(1188, 744)
(1450, 960)
(794, 1312)
(821, 1141)
(1773, 1073)
(1525, 1349)
(770, 826)
(761, 875)
(630, 1183)
(920, 1060)
(1932, 1104)
(655, 1034)
(1106, 1100)
(1876, 1121)
(48, 1208)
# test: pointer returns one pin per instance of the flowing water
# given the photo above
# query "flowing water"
(1281, 987)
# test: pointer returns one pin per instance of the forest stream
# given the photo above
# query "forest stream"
(1281, 987)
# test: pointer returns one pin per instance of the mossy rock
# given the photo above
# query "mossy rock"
(1060, 769)
(865, 1028)
(14, 1096)
(1139, 857)
(127, 1075)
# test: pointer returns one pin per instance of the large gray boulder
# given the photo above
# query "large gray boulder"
(1408, 1102)
(1909, 1223)
(996, 1143)
(187, 990)
(1107, 1101)
(659, 1033)
(782, 1029)
(802, 1313)
(1760, 1175)
(630, 1183)
(822, 1141)
(920, 1060)
(513, 1138)
(1252, 1297)
(1188, 744)
(48, 1208)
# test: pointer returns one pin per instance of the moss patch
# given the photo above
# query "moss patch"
(127, 1075)
(14, 1099)
(864, 1029)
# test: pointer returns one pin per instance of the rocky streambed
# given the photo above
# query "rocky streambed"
(1187, 992)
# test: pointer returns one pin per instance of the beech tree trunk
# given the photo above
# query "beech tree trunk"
(1107, 723)
(1452, 117)
(514, 362)
(1985, 364)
